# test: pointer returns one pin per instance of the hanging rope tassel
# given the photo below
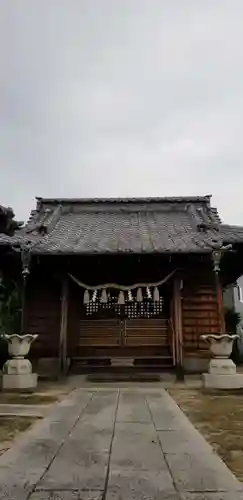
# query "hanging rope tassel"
(130, 297)
(139, 295)
(156, 294)
(121, 298)
(103, 298)
(86, 297)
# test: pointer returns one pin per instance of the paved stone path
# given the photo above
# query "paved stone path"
(115, 445)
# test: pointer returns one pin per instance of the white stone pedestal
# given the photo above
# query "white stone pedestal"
(222, 366)
(17, 374)
(24, 381)
(222, 375)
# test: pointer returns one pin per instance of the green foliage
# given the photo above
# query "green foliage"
(232, 320)
(10, 307)
(8, 224)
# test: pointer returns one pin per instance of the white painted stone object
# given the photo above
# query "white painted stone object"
(222, 370)
(17, 372)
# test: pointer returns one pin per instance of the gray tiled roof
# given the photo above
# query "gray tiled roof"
(231, 234)
(145, 225)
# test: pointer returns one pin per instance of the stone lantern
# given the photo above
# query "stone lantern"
(17, 371)
(222, 370)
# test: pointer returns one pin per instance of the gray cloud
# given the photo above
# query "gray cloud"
(121, 98)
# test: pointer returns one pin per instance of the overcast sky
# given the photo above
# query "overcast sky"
(121, 98)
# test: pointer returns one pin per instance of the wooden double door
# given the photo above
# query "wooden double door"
(123, 337)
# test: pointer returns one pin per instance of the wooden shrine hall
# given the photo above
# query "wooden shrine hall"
(133, 281)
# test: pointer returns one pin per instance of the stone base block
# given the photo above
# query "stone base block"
(17, 366)
(25, 381)
(213, 381)
(219, 366)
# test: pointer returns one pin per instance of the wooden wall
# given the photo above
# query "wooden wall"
(102, 334)
(75, 307)
(42, 314)
(43, 308)
(200, 313)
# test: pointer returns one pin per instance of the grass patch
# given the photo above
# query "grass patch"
(10, 427)
(219, 417)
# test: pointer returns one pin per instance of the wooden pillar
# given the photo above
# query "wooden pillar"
(63, 328)
(178, 326)
(219, 291)
(216, 257)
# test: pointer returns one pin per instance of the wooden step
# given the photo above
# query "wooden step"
(121, 364)
(124, 377)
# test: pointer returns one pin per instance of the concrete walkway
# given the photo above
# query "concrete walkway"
(115, 445)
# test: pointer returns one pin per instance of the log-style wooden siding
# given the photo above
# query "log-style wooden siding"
(200, 314)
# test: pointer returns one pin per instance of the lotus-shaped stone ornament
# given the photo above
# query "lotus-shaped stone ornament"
(19, 345)
(220, 345)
